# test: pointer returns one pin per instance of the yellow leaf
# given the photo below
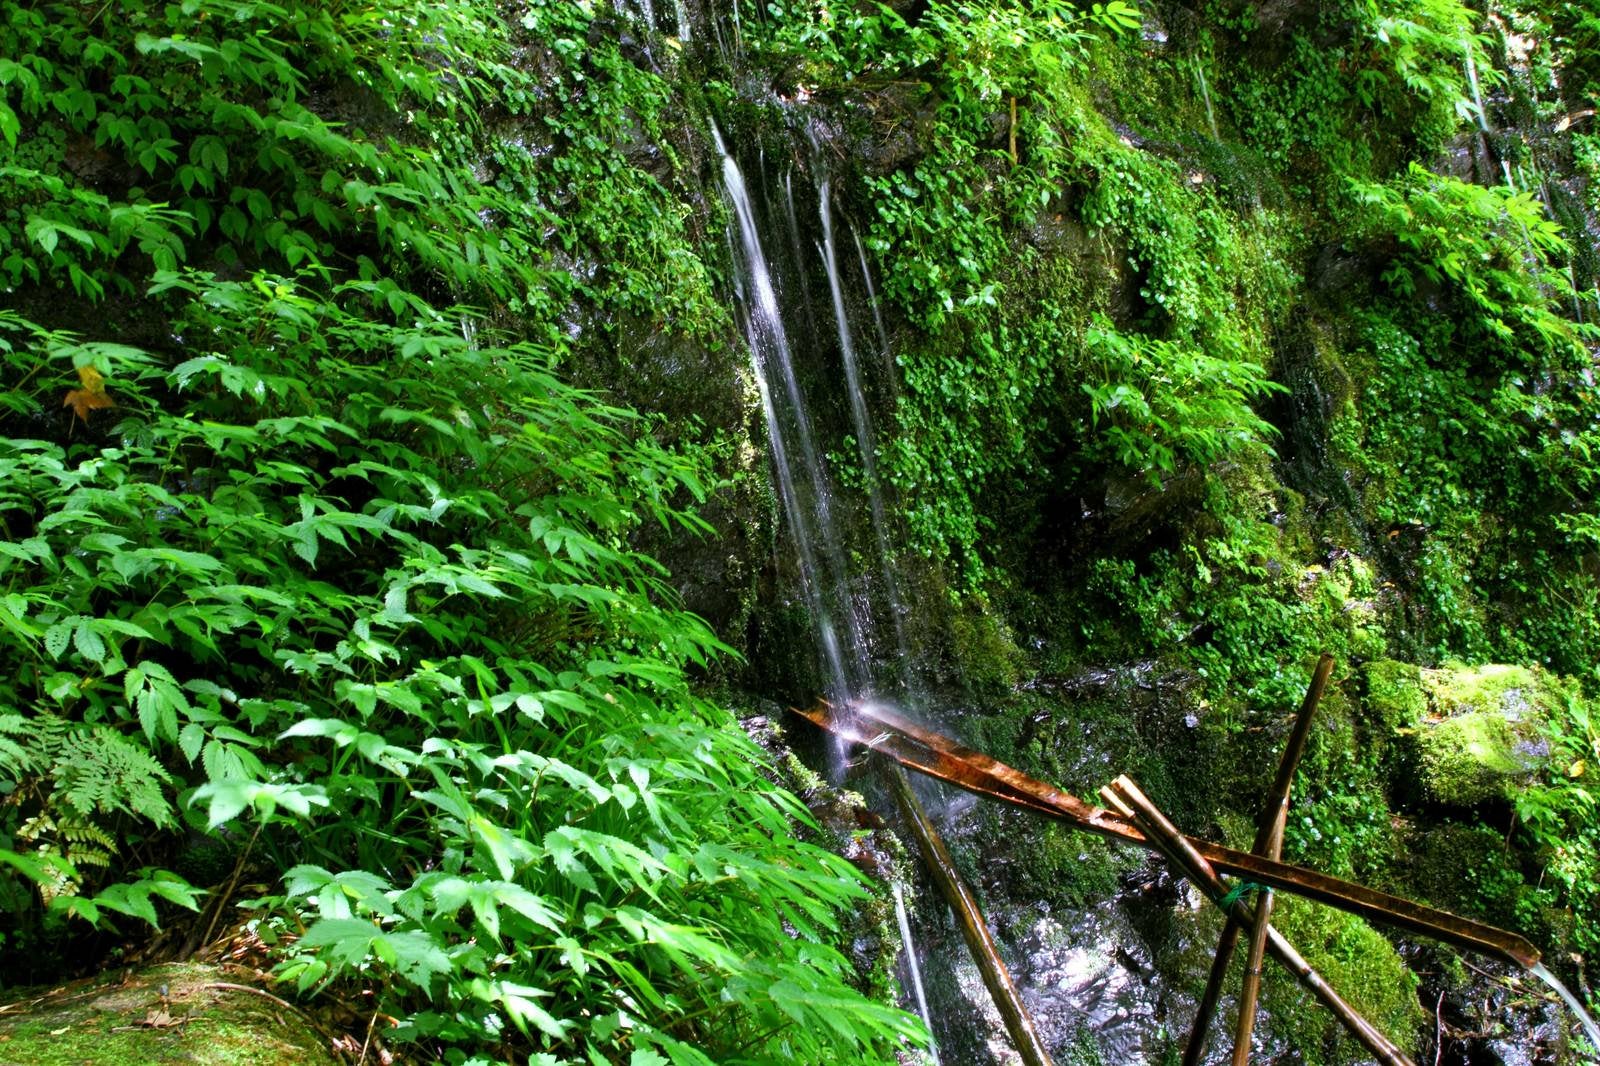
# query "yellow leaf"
(93, 380)
(89, 398)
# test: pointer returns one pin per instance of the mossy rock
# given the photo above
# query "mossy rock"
(1482, 737)
(1357, 961)
(985, 652)
(1394, 693)
(199, 1022)
(1469, 870)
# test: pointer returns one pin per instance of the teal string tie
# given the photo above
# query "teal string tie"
(1237, 892)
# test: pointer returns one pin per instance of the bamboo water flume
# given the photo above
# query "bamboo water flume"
(1184, 856)
(974, 930)
(938, 756)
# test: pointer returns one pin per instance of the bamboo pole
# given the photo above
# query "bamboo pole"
(1275, 810)
(974, 930)
(939, 756)
(1185, 857)
(1258, 944)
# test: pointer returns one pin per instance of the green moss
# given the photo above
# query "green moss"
(1084, 1050)
(1469, 870)
(1356, 960)
(1394, 693)
(1469, 759)
(1485, 736)
(985, 653)
(1494, 687)
(202, 1024)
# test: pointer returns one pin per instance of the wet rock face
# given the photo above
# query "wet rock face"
(1493, 1019)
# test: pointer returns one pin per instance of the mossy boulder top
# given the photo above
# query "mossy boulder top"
(1478, 733)
(179, 1013)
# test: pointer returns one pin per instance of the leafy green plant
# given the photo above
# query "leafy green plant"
(306, 546)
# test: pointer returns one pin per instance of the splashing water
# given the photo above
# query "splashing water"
(911, 964)
(1590, 1029)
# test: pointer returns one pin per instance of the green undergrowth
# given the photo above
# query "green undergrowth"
(309, 549)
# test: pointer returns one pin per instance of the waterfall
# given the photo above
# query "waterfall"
(801, 480)
(862, 423)
(1205, 95)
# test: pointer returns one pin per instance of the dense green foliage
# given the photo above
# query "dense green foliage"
(322, 561)
(1226, 334)
(1113, 251)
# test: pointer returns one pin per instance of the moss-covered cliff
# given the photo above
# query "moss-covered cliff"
(1197, 338)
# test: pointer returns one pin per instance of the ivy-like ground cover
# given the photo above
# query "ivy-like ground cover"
(307, 551)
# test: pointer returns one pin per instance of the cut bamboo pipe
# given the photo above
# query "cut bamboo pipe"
(939, 756)
(1183, 855)
(974, 930)
(1275, 810)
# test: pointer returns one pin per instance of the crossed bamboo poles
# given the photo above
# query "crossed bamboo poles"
(1135, 819)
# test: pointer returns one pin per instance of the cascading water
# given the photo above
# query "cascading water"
(802, 481)
(862, 423)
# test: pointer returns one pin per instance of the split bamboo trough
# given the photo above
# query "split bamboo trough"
(1134, 819)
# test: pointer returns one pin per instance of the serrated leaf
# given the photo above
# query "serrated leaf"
(89, 643)
(56, 638)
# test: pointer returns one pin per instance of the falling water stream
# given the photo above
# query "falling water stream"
(802, 482)
(877, 314)
(1590, 1029)
(1482, 115)
(862, 423)
(1205, 95)
(911, 964)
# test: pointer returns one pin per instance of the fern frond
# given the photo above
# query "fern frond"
(100, 771)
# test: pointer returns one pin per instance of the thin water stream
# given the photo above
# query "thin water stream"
(911, 965)
(802, 481)
(1205, 96)
(862, 423)
(1590, 1029)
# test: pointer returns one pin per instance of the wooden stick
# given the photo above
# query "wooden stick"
(1207, 1008)
(1019, 1023)
(938, 756)
(1183, 855)
(1277, 805)
(1258, 945)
